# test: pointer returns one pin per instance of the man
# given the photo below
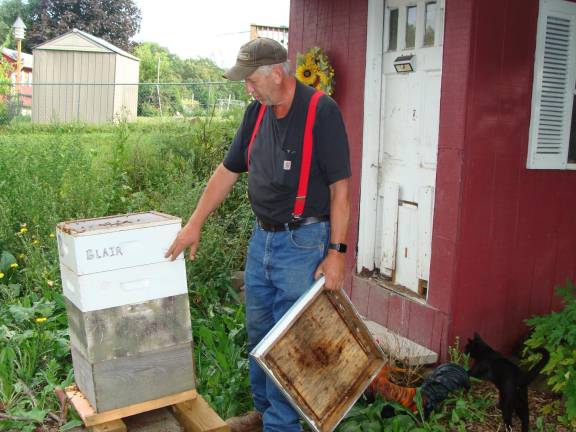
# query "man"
(287, 250)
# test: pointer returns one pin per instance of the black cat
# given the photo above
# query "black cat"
(511, 381)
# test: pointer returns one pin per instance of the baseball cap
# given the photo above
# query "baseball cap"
(258, 52)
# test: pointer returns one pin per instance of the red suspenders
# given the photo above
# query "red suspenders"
(307, 147)
(255, 131)
(300, 201)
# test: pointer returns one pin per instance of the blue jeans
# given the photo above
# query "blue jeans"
(279, 269)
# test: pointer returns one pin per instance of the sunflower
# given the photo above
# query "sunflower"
(307, 72)
(323, 78)
(315, 70)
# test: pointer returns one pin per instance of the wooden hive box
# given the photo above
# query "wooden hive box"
(321, 355)
(128, 310)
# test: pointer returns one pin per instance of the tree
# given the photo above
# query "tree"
(156, 62)
(199, 82)
(115, 21)
(9, 10)
(205, 70)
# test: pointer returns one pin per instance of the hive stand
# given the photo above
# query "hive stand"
(191, 410)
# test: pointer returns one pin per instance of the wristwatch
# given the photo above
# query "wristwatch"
(339, 247)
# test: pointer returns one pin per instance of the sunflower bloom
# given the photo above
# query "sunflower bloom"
(23, 230)
(51, 235)
(14, 266)
(1, 275)
(314, 69)
(323, 78)
(41, 320)
(306, 73)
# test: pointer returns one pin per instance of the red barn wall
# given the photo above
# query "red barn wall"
(339, 28)
(514, 234)
(503, 235)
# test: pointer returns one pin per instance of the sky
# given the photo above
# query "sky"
(207, 28)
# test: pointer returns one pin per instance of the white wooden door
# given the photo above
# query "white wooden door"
(407, 144)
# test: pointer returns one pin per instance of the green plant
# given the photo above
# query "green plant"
(457, 356)
(52, 173)
(221, 358)
(556, 332)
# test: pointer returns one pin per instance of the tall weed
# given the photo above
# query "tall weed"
(62, 172)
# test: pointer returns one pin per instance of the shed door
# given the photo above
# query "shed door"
(410, 103)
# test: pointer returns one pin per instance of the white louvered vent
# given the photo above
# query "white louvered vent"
(554, 87)
(552, 95)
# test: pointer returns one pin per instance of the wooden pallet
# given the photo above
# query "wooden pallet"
(191, 410)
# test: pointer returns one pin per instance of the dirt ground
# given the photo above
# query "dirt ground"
(538, 399)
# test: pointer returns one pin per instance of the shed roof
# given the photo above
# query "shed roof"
(27, 59)
(78, 40)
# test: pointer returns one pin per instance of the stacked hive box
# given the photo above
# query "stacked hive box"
(127, 307)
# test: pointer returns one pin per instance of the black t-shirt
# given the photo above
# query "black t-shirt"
(276, 154)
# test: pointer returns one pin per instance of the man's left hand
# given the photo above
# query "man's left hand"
(332, 267)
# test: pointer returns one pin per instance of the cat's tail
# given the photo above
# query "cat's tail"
(535, 370)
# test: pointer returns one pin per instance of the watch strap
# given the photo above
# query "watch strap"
(339, 247)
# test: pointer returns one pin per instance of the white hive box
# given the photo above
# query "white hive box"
(128, 309)
(119, 260)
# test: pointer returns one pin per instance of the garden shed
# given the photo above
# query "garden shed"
(79, 77)
(461, 119)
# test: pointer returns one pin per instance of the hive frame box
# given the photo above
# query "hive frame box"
(321, 355)
(128, 309)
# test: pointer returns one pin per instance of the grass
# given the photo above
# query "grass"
(62, 172)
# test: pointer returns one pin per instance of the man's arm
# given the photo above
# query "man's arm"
(216, 191)
(333, 265)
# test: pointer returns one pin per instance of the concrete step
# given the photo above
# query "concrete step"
(399, 347)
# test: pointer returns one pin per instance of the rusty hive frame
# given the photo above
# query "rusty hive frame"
(321, 355)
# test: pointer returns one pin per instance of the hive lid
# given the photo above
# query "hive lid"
(321, 355)
(116, 223)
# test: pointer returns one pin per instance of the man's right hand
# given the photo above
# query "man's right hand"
(216, 191)
(189, 236)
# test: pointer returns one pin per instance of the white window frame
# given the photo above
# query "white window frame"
(402, 6)
(559, 161)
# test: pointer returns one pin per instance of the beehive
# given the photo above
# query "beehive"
(128, 309)
(321, 355)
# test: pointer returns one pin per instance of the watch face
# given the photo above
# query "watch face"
(340, 247)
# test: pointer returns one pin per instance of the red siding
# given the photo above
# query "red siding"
(338, 27)
(503, 235)
(421, 323)
(516, 226)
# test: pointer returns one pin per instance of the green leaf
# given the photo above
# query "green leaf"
(6, 260)
(222, 361)
(570, 392)
(21, 313)
(373, 426)
(71, 424)
(35, 414)
(15, 289)
(455, 417)
(206, 335)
